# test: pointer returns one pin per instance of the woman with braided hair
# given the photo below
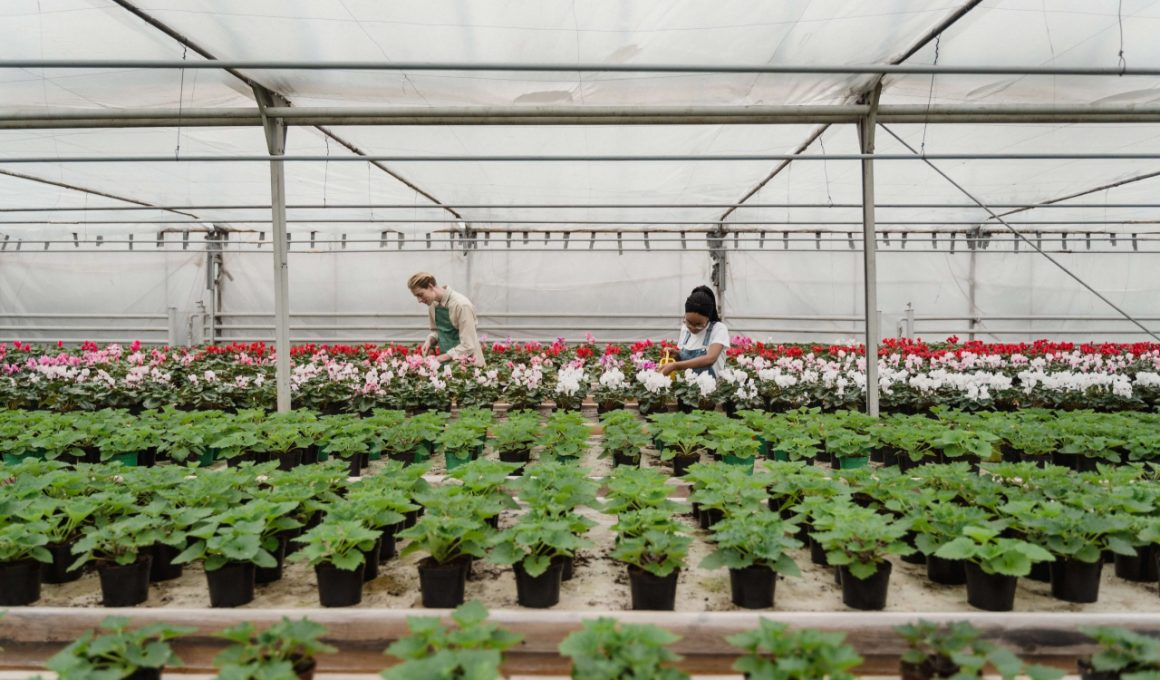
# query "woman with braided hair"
(703, 337)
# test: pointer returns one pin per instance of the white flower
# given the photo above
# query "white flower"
(612, 379)
(653, 381)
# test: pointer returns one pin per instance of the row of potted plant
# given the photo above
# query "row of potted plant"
(241, 523)
(913, 377)
(470, 645)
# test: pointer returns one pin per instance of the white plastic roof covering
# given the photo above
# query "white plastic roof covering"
(998, 32)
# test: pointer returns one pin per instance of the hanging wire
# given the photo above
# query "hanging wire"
(1120, 20)
(825, 169)
(180, 103)
(930, 95)
(325, 168)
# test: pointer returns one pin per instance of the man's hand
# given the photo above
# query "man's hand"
(425, 348)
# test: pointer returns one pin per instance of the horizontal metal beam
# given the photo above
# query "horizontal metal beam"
(835, 69)
(675, 158)
(479, 225)
(572, 115)
(575, 206)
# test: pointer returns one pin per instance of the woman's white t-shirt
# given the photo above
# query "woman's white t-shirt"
(720, 336)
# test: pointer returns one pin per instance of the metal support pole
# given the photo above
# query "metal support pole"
(276, 143)
(717, 255)
(971, 290)
(909, 320)
(869, 244)
(171, 312)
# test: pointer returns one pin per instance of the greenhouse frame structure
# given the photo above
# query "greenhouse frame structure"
(860, 108)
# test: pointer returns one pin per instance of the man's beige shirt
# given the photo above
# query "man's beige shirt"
(463, 317)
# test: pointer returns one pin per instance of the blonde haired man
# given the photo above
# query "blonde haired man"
(452, 320)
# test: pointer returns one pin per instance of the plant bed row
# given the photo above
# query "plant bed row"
(469, 643)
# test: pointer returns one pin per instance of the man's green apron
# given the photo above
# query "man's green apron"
(448, 333)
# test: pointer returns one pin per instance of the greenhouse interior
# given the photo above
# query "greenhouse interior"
(344, 339)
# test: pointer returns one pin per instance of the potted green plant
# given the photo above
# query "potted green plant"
(565, 436)
(286, 649)
(650, 544)
(461, 443)
(533, 546)
(937, 523)
(233, 544)
(631, 489)
(775, 652)
(514, 438)
(735, 443)
(623, 440)
(337, 551)
(753, 547)
(720, 489)
(993, 564)
(383, 509)
(119, 652)
(174, 522)
(452, 532)
(683, 438)
(121, 550)
(1123, 655)
(1077, 538)
(857, 541)
(606, 649)
(556, 490)
(472, 648)
(957, 651)
(848, 449)
(350, 445)
(22, 550)
(406, 441)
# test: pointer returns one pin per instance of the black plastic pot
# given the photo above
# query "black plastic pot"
(651, 592)
(945, 572)
(626, 459)
(163, 568)
(567, 566)
(410, 518)
(356, 467)
(264, 575)
(1075, 581)
(932, 668)
(817, 553)
(522, 457)
(1040, 572)
(147, 457)
(288, 460)
(339, 587)
(681, 464)
(19, 583)
(753, 587)
(232, 585)
(58, 570)
(144, 674)
(442, 585)
(710, 516)
(916, 557)
(541, 591)
(371, 562)
(868, 593)
(387, 542)
(1141, 568)
(125, 586)
(989, 592)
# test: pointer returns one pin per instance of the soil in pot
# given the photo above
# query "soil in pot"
(651, 592)
(58, 570)
(125, 585)
(753, 587)
(945, 572)
(232, 585)
(442, 585)
(541, 591)
(1075, 581)
(264, 575)
(868, 593)
(19, 583)
(339, 587)
(163, 568)
(1139, 569)
(989, 592)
